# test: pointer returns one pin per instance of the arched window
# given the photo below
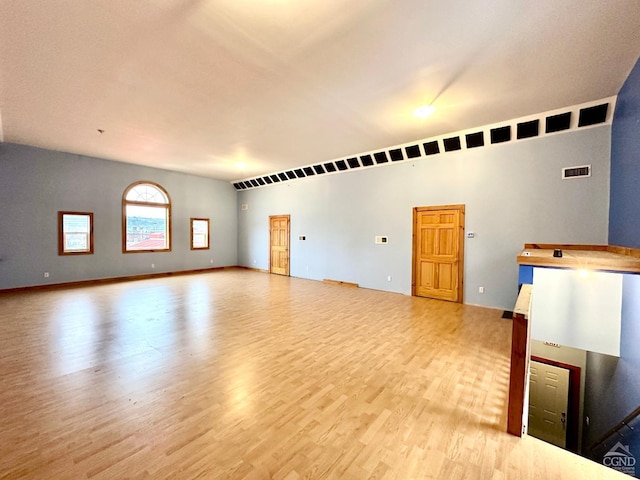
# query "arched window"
(146, 218)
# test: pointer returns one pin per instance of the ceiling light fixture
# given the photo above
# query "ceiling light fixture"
(241, 165)
(424, 111)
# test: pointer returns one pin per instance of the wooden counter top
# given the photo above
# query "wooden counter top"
(589, 257)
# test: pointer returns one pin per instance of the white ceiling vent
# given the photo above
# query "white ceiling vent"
(576, 172)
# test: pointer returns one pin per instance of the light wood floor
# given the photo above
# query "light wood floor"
(239, 374)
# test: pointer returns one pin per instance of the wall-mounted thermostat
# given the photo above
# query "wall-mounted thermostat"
(381, 240)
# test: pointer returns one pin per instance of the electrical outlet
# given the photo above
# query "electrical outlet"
(153, 265)
(46, 274)
(211, 261)
(388, 278)
(480, 289)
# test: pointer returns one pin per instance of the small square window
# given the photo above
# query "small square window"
(75, 233)
(199, 234)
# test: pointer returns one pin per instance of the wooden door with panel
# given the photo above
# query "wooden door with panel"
(279, 232)
(438, 252)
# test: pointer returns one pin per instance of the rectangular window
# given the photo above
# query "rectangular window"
(147, 228)
(75, 233)
(199, 233)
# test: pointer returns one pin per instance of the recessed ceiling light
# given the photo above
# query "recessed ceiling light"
(241, 165)
(424, 111)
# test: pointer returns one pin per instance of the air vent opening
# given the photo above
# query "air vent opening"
(557, 123)
(431, 148)
(475, 139)
(353, 162)
(528, 129)
(451, 144)
(412, 151)
(576, 172)
(396, 155)
(501, 134)
(593, 115)
(341, 164)
(366, 160)
(380, 157)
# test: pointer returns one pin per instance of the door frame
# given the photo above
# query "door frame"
(288, 217)
(573, 404)
(461, 210)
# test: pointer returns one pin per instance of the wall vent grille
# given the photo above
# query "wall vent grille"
(576, 172)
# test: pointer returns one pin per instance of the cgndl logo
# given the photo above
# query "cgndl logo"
(620, 458)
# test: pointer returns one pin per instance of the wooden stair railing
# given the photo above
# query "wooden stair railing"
(621, 424)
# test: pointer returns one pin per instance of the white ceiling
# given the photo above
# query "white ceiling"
(200, 85)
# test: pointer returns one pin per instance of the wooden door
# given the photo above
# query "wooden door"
(438, 252)
(548, 403)
(279, 244)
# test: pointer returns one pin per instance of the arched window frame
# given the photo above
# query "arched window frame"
(164, 205)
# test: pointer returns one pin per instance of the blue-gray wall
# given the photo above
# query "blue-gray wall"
(36, 183)
(612, 389)
(513, 194)
(624, 218)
